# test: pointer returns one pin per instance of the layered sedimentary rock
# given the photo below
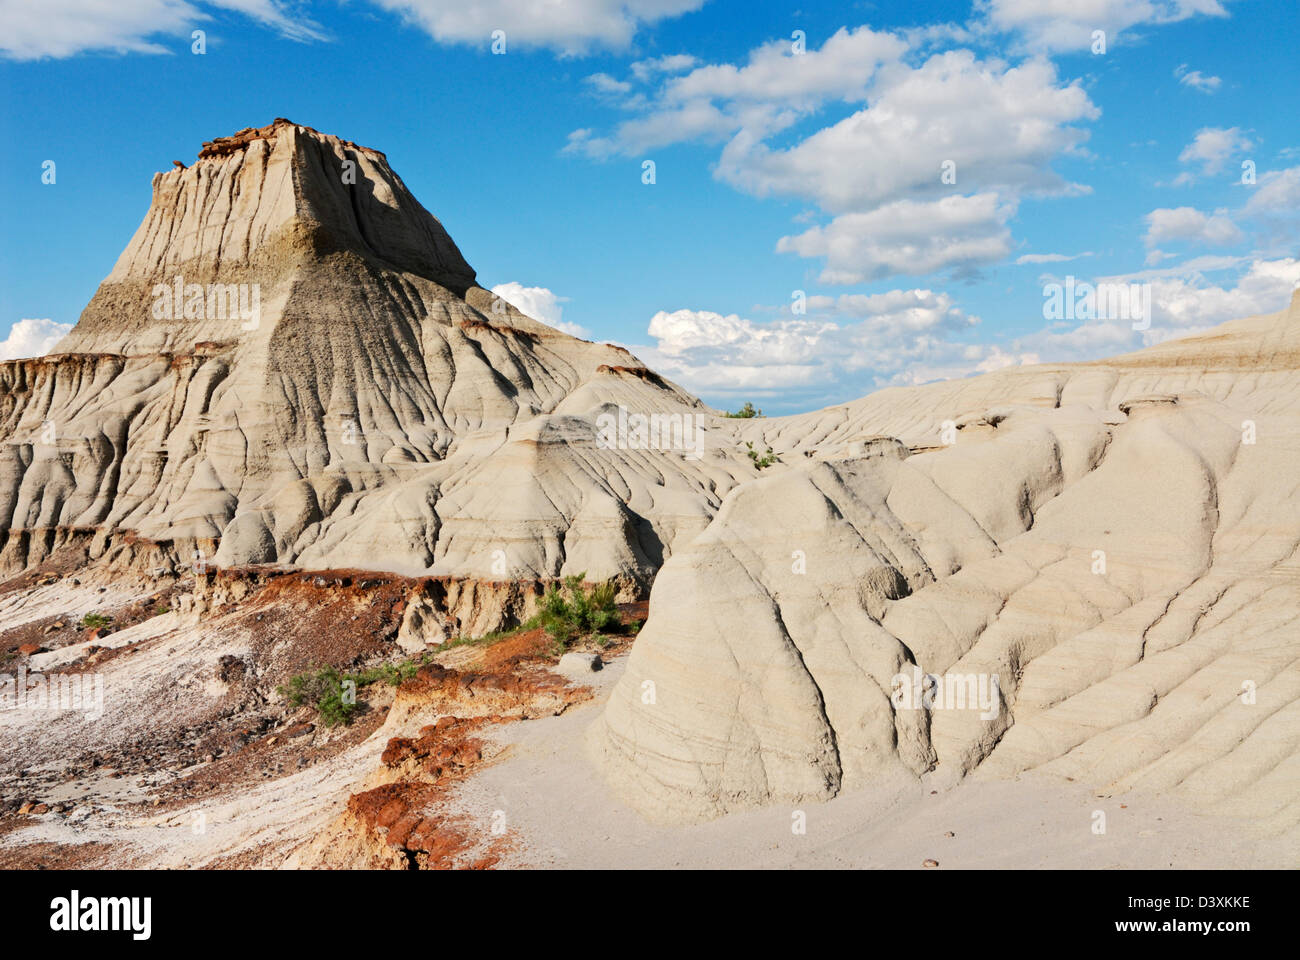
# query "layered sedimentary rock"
(1114, 542)
(292, 363)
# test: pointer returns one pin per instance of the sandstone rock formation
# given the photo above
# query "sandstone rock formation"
(1114, 541)
(292, 363)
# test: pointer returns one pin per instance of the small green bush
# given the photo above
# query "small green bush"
(390, 673)
(567, 613)
(746, 412)
(335, 709)
(766, 460)
(324, 690)
(573, 612)
(92, 620)
(333, 694)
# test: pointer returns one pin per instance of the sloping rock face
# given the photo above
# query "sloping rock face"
(1097, 562)
(291, 363)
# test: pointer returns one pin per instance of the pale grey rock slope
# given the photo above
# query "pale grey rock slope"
(1115, 541)
(381, 410)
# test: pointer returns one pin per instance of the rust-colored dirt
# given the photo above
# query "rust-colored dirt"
(405, 813)
(409, 814)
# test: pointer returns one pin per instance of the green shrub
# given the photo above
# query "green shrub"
(573, 612)
(745, 413)
(92, 620)
(333, 694)
(335, 708)
(766, 460)
(567, 613)
(324, 690)
(390, 673)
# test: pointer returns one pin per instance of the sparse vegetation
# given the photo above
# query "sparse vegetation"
(573, 612)
(487, 639)
(745, 413)
(568, 612)
(324, 690)
(92, 620)
(334, 694)
(765, 460)
(390, 673)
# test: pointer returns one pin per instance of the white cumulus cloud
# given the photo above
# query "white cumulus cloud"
(1277, 195)
(1189, 225)
(32, 338)
(908, 237)
(842, 347)
(573, 27)
(1197, 80)
(540, 304)
(1212, 148)
(1060, 26)
(878, 172)
(1183, 303)
(64, 28)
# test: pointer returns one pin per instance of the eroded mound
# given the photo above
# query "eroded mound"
(1098, 562)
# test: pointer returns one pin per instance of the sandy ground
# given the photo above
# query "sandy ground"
(565, 816)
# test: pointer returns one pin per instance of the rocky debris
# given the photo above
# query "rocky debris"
(231, 669)
(412, 836)
(402, 819)
(440, 750)
(577, 665)
(225, 146)
(204, 721)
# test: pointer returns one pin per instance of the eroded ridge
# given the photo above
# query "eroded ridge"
(1114, 542)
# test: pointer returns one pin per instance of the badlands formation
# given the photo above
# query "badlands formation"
(348, 397)
(292, 426)
(1115, 542)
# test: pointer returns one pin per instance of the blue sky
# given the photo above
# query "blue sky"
(776, 170)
